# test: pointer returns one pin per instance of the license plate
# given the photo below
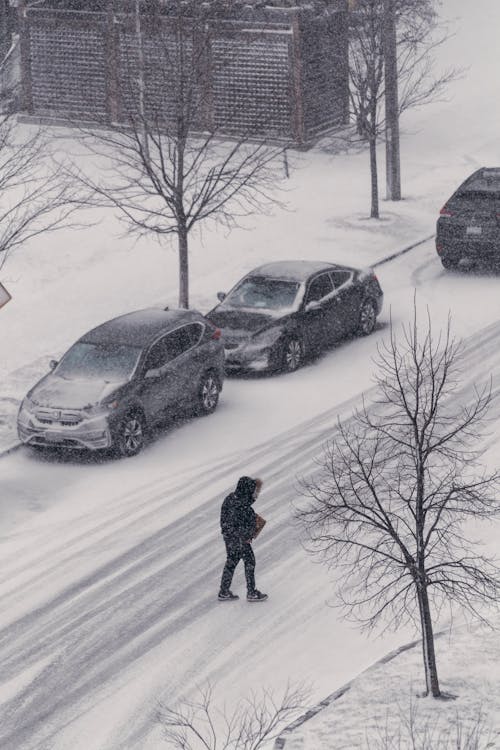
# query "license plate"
(51, 438)
(474, 231)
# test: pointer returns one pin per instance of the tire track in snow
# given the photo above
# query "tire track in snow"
(99, 625)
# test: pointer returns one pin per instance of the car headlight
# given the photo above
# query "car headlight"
(267, 337)
(99, 409)
(27, 404)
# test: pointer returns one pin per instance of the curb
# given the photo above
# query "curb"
(280, 741)
(10, 449)
(403, 251)
(15, 446)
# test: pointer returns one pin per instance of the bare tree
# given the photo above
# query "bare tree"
(197, 725)
(169, 169)
(418, 33)
(410, 729)
(397, 483)
(366, 73)
(36, 195)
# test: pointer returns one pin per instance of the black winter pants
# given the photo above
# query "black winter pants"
(236, 551)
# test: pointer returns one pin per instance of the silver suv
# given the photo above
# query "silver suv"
(121, 377)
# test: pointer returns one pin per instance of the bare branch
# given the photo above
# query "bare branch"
(395, 485)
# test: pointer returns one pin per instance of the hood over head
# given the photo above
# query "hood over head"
(245, 489)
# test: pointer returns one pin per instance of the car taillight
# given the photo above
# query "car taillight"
(445, 211)
(439, 249)
(216, 334)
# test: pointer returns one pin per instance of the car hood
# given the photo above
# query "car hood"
(61, 393)
(241, 324)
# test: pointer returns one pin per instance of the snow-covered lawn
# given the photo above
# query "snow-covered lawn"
(383, 708)
(90, 556)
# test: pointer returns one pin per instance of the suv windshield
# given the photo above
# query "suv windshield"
(261, 292)
(111, 363)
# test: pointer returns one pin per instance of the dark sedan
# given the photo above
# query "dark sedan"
(468, 227)
(281, 312)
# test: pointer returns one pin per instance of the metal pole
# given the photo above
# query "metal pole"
(392, 149)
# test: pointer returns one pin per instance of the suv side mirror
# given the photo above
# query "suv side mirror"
(313, 305)
(53, 364)
(221, 296)
(153, 373)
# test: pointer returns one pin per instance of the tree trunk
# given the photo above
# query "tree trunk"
(374, 179)
(393, 176)
(183, 267)
(431, 675)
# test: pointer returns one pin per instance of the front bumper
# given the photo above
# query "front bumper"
(253, 359)
(89, 434)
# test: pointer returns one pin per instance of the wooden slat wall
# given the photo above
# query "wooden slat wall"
(284, 80)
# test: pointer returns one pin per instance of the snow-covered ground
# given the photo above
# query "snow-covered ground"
(382, 708)
(108, 570)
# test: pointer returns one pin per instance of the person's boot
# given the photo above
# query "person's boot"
(256, 596)
(227, 596)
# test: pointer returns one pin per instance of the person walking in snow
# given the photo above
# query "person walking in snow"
(240, 524)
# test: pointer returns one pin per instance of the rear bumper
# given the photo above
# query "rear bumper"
(453, 243)
(461, 249)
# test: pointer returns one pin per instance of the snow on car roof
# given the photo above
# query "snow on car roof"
(139, 327)
(294, 270)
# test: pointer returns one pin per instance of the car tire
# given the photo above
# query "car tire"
(367, 317)
(292, 355)
(130, 435)
(450, 263)
(208, 394)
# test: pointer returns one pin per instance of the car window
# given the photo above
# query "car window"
(339, 278)
(168, 348)
(263, 292)
(319, 288)
(158, 355)
(195, 332)
(178, 342)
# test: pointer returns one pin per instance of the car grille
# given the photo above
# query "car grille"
(58, 416)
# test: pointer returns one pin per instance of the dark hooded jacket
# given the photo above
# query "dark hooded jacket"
(237, 517)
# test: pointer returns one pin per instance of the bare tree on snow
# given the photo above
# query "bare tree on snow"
(169, 171)
(397, 485)
(35, 195)
(419, 33)
(256, 721)
(411, 729)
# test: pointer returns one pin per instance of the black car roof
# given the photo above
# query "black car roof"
(294, 270)
(140, 327)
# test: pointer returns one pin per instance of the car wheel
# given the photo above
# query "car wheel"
(130, 435)
(293, 354)
(208, 394)
(450, 263)
(367, 317)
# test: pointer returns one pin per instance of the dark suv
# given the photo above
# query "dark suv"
(121, 377)
(468, 227)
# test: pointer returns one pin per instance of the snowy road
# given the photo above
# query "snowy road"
(109, 570)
